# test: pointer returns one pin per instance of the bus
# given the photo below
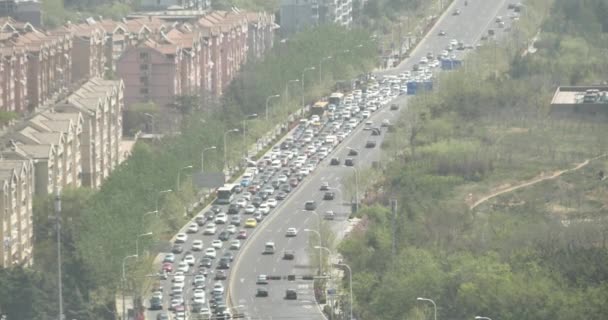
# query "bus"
(319, 108)
(336, 98)
(226, 193)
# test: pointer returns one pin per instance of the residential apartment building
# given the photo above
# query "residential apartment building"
(88, 50)
(100, 103)
(23, 10)
(16, 191)
(298, 15)
(13, 79)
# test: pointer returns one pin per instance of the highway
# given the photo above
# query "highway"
(249, 262)
(473, 22)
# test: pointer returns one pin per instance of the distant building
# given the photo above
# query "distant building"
(25, 11)
(298, 15)
(174, 4)
(580, 101)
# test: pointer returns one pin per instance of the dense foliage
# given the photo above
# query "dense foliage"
(537, 253)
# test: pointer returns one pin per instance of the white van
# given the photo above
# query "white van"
(331, 140)
(269, 248)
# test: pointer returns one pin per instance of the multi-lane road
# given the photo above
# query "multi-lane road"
(473, 21)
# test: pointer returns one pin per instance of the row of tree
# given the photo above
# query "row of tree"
(488, 124)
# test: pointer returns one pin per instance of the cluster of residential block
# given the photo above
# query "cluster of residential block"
(70, 115)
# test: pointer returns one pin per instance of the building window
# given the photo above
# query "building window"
(144, 55)
(143, 90)
(143, 80)
(143, 67)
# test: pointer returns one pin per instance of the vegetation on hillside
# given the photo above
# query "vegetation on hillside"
(535, 253)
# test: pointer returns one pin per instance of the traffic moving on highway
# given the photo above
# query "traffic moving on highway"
(194, 275)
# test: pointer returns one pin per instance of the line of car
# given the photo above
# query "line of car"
(260, 191)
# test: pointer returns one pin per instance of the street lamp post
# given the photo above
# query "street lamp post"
(143, 216)
(350, 281)
(158, 197)
(59, 275)
(137, 241)
(431, 301)
(249, 117)
(124, 284)
(302, 82)
(179, 172)
(225, 148)
(318, 233)
(268, 101)
(356, 187)
(321, 67)
(203, 157)
(320, 257)
(287, 87)
(482, 318)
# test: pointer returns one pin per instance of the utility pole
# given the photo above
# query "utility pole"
(58, 227)
(394, 237)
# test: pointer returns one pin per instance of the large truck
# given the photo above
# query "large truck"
(319, 108)
(336, 98)
(450, 64)
(414, 87)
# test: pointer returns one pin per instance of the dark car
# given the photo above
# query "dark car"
(258, 216)
(238, 189)
(442, 33)
(394, 106)
(310, 205)
(209, 215)
(281, 195)
(263, 194)
(177, 248)
(224, 236)
(220, 275)
(229, 255)
(261, 292)
(275, 183)
(285, 188)
(291, 294)
(370, 144)
(235, 221)
(289, 255)
(233, 209)
(353, 152)
(334, 161)
(206, 262)
(156, 303)
(376, 132)
(200, 220)
(162, 316)
(257, 201)
(224, 263)
(349, 162)
(329, 196)
(216, 209)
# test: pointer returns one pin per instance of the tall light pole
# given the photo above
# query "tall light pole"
(143, 216)
(431, 301)
(350, 281)
(320, 257)
(179, 172)
(321, 67)
(302, 82)
(482, 318)
(225, 147)
(287, 87)
(203, 157)
(249, 117)
(318, 235)
(268, 101)
(137, 241)
(158, 196)
(356, 187)
(59, 276)
(124, 285)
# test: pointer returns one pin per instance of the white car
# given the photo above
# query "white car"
(217, 244)
(282, 178)
(199, 293)
(181, 238)
(179, 276)
(197, 245)
(189, 259)
(196, 300)
(218, 287)
(291, 232)
(169, 257)
(231, 229)
(246, 195)
(241, 202)
(210, 229)
(177, 291)
(454, 42)
(235, 244)
(272, 202)
(210, 253)
(192, 228)
(264, 208)
(249, 209)
(221, 218)
(365, 114)
(199, 280)
(183, 266)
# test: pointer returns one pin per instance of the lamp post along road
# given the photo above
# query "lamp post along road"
(321, 68)
(431, 301)
(179, 172)
(350, 282)
(268, 101)
(287, 87)
(59, 275)
(318, 235)
(137, 241)
(302, 82)
(249, 117)
(320, 257)
(158, 197)
(225, 147)
(203, 157)
(124, 285)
